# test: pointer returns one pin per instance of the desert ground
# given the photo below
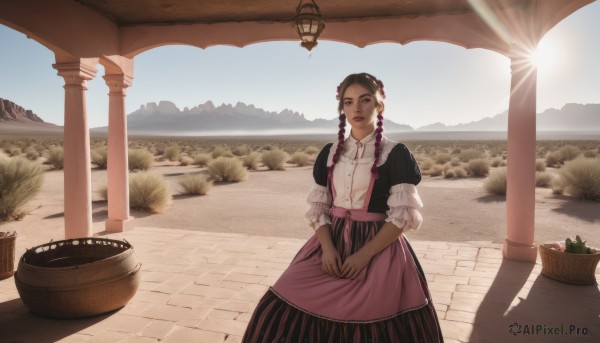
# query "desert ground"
(272, 203)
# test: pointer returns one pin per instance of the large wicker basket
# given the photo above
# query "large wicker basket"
(577, 269)
(78, 277)
(7, 254)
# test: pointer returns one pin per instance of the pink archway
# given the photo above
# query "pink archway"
(83, 33)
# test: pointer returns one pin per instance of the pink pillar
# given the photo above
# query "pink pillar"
(118, 172)
(520, 193)
(77, 170)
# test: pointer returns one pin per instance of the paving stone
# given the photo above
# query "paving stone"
(244, 317)
(184, 334)
(228, 326)
(233, 339)
(209, 291)
(460, 316)
(456, 330)
(237, 305)
(462, 280)
(157, 329)
(244, 278)
(222, 314)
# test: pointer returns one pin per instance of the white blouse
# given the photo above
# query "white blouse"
(351, 178)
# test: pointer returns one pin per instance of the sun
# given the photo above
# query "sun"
(546, 56)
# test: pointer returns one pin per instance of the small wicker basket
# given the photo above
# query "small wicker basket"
(7, 254)
(577, 269)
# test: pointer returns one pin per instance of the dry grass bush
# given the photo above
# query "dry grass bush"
(478, 167)
(460, 172)
(543, 179)
(20, 181)
(251, 161)
(140, 159)
(149, 192)
(100, 157)
(442, 157)
(557, 185)
(172, 153)
(435, 170)
(590, 154)
(300, 158)
(540, 165)
(455, 162)
(496, 162)
(581, 178)
(568, 153)
(186, 161)
(202, 160)
(274, 159)
(56, 157)
(495, 183)
(195, 184)
(449, 174)
(228, 169)
(425, 163)
(552, 159)
(241, 150)
(13, 151)
(32, 154)
(470, 154)
(221, 151)
(311, 150)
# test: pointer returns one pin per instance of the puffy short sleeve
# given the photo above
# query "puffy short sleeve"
(404, 201)
(319, 198)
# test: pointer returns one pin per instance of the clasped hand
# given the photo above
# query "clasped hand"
(349, 269)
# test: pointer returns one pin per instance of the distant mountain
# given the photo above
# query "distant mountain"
(165, 117)
(16, 119)
(571, 117)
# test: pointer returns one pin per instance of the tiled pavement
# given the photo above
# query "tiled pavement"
(203, 286)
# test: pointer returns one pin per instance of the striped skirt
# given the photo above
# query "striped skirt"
(388, 302)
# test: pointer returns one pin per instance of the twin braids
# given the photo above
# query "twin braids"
(375, 87)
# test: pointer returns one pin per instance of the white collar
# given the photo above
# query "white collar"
(370, 137)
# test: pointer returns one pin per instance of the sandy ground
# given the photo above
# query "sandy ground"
(272, 203)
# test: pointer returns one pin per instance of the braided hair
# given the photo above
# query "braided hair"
(375, 87)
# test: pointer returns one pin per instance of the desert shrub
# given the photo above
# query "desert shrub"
(228, 169)
(194, 184)
(459, 172)
(140, 159)
(542, 179)
(479, 167)
(100, 157)
(251, 161)
(300, 158)
(436, 170)
(56, 157)
(581, 178)
(185, 161)
(274, 159)
(496, 162)
(552, 159)
(202, 160)
(442, 157)
(13, 151)
(568, 153)
(449, 174)
(425, 163)
(540, 165)
(590, 154)
(172, 153)
(455, 162)
(241, 150)
(470, 154)
(149, 192)
(495, 183)
(32, 154)
(20, 181)
(557, 185)
(311, 150)
(221, 152)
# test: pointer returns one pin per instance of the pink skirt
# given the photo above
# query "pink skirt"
(388, 302)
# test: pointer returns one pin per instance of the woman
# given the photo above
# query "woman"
(357, 279)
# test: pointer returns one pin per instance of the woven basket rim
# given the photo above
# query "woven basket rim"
(547, 247)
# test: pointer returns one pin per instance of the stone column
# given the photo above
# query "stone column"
(77, 169)
(520, 193)
(118, 172)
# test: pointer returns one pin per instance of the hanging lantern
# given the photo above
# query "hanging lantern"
(309, 23)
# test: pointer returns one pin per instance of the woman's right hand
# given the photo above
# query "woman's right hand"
(331, 262)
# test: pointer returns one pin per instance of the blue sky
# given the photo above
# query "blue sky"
(426, 82)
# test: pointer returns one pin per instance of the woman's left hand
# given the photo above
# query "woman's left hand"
(354, 264)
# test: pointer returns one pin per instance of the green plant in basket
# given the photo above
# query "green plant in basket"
(578, 246)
